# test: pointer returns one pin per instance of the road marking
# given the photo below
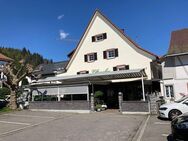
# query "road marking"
(28, 116)
(8, 122)
(161, 123)
(30, 126)
(142, 129)
(165, 135)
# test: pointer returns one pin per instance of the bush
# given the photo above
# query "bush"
(98, 94)
(4, 92)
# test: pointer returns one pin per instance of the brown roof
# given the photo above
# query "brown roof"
(178, 42)
(5, 58)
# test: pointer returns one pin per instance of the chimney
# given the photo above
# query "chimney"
(122, 30)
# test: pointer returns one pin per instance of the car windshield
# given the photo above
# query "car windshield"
(182, 99)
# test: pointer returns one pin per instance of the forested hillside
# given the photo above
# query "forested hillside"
(17, 54)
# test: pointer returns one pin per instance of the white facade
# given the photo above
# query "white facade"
(175, 74)
(128, 53)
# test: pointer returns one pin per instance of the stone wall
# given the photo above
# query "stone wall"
(61, 105)
(135, 106)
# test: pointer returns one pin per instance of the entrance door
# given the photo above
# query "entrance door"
(112, 99)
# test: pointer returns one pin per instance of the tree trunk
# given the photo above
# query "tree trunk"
(13, 104)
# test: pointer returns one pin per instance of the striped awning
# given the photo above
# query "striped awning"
(101, 76)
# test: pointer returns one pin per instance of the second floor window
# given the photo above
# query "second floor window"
(91, 57)
(110, 54)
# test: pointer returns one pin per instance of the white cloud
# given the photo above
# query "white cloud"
(63, 35)
(60, 17)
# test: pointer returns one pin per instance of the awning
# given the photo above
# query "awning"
(101, 76)
(59, 90)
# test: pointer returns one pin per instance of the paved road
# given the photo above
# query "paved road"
(48, 126)
(157, 130)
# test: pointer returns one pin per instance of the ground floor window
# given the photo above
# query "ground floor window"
(169, 91)
(69, 97)
(45, 98)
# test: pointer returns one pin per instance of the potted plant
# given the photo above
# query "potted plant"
(98, 107)
(99, 104)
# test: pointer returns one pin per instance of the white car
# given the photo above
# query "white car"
(172, 110)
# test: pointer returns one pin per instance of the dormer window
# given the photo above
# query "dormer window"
(91, 57)
(121, 67)
(99, 37)
(110, 54)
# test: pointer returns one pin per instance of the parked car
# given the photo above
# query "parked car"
(3, 103)
(179, 127)
(172, 110)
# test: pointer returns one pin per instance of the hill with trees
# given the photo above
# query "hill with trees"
(23, 54)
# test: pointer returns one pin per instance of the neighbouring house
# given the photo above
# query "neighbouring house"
(3, 60)
(106, 60)
(49, 70)
(174, 84)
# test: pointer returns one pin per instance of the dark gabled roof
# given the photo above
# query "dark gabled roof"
(178, 42)
(46, 69)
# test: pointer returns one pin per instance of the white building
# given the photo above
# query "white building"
(174, 84)
(106, 59)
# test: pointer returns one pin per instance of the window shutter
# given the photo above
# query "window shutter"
(95, 56)
(104, 54)
(104, 36)
(116, 52)
(114, 68)
(93, 38)
(85, 58)
(127, 67)
(78, 73)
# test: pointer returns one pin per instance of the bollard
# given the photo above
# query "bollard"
(92, 103)
(120, 99)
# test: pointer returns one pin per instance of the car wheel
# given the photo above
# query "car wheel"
(174, 113)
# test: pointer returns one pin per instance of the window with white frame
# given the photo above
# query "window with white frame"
(110, 54)
(169, 91)
(121, 67)
(99, 37)
(91, 57)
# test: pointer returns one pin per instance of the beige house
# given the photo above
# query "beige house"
(106, 60)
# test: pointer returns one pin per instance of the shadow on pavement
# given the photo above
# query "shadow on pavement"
(164, 119)
(170, 138)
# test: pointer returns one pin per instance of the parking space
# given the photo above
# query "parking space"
(27, 125)
(156, 130)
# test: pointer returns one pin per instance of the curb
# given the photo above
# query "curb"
(141, 129)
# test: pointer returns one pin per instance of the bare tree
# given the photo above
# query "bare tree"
(15, 72)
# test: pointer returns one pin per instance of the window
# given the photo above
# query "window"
(99, 37)
(121, 67)
(83, 72)
(169, 91)
(91, 57)
(110, 54)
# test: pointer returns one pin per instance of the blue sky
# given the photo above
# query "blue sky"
(54, 27)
